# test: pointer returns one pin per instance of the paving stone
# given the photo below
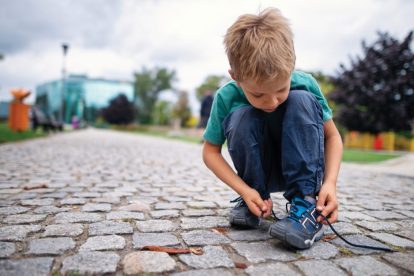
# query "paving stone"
(77, 217)
(204, 222)
(248, 235)
(271, 269)
(393, 240)
(17, 232)
(38, 202)
(156, 226)
(52, 246)
(378, 225)
(57, 195)
(86, 195)
(213, 256)
(13, 210)
(91, 207)
(24, 218)
(402, 260)
(365, 265)
(257, 252)
(124, 215)
(111, 200)
(320, 250)
(168, 206)
(198, 212)
(73, 201)
(358, 239)
(165, 214)
(112, 242)
(205, 272)
(147, 262)
(203, 237)
(137, 207)
(343, 228)
(50, 210)
(26, 267)
(319, 268)
(159, 239)
(109, 227)
(201, 204)
(90, 262)
(70, 229)
(355, 216)
(406, 234)
(6, 249)
(406, 213)
(385, 215)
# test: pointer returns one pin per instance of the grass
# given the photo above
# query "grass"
(364, 156)
(7, 135)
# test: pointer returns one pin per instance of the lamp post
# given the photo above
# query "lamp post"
(65, 48)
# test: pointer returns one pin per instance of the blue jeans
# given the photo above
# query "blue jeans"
(279, 151)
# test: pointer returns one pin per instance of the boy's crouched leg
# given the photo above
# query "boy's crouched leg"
(244, 132)
(303, 167)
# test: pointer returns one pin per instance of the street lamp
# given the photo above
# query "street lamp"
(65, 48)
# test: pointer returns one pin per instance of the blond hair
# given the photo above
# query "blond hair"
(260, 47)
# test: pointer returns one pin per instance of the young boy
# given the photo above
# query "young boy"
(279, 131)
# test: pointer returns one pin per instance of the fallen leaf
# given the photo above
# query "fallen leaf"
(240, 265)
(220, 230)
(34, 186)
(174, 250)
(329, 237)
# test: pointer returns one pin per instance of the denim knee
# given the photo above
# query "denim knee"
(244, 125)
(302, 107)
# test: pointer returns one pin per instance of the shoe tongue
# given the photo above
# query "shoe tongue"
(301, 202)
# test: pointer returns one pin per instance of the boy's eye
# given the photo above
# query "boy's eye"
(257, 95)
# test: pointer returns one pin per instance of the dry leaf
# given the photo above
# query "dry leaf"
(34, 186)
(220, 230)
(240, 265)
(173, 250)
(329, 237)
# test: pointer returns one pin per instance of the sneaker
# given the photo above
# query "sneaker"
(241, 216)
(300, 228)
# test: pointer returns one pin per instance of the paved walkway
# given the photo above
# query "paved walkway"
(89, 201)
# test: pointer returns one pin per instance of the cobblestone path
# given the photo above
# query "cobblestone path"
(88, 201)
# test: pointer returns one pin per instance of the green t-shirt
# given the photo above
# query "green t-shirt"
(231, 97)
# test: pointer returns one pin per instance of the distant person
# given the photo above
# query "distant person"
(205, 109)
(279, 130)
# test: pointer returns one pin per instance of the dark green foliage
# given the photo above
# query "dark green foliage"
(181, 109)
(148, 85)
(377, 92)
(119, 112)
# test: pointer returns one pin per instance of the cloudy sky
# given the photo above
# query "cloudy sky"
(113, 39)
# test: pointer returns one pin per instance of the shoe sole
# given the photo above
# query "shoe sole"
(242, 222)
(292, 239)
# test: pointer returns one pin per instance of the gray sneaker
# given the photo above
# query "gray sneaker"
(241, 216)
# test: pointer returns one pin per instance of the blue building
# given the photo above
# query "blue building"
(81, 96)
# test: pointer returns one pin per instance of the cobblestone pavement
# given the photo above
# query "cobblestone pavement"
(88, 201)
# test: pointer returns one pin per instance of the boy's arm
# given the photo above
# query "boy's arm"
(218, 165)
(327, 201)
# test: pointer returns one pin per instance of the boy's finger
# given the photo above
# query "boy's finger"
(321, 202)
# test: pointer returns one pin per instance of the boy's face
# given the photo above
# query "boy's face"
(268, 95)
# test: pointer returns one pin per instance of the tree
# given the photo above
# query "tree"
(181, 109)
(377, 92)
(120, 111)
(212, 83)
(148, 85)
(161, 114)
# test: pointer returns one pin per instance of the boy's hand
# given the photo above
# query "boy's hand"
(327, 203)
(255, 202)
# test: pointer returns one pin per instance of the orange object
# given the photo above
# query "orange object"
(18, 111)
